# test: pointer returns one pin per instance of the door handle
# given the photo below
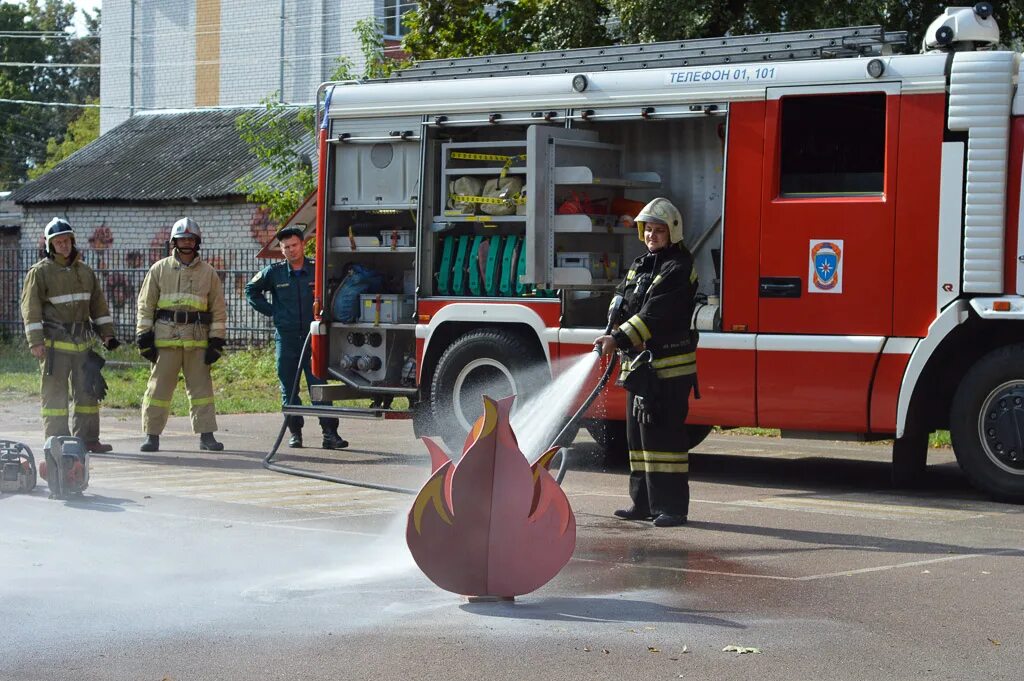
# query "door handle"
(779, 287)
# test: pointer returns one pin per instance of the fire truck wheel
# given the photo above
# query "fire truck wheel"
(909, 459)
(987, 423)
(696, 434)
(493, 362)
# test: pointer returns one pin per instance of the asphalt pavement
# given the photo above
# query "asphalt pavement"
(196, 565)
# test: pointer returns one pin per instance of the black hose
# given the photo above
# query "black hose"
(562, 440)
(305, 473)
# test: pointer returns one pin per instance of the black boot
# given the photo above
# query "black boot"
(295, 441)
(669, 520)
(209, 443)
(633, 513)
(334, 441)
(150, 444)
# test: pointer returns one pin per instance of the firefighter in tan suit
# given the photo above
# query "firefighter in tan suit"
(181, 328)
(60, 296)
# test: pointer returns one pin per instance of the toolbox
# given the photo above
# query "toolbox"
(601, 265)
(386, 308)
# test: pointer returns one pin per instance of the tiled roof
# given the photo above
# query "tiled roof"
(189, 155)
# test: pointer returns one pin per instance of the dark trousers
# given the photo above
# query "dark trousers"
(287, 355)
(659, 459)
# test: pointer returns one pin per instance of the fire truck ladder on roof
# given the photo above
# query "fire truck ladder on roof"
(832, 43)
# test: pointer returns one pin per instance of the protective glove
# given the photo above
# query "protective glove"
(112, 343)
(643, 411)
(146, 343)
(214, 349)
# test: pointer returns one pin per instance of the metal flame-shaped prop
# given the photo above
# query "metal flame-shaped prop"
(491, 525)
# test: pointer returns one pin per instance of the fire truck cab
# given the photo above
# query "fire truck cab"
(855, 216)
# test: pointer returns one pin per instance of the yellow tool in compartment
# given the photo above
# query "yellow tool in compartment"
(506, 159)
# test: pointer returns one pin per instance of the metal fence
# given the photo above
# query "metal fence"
(121, 271)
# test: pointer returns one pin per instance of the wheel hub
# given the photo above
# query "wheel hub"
(480, 377)
(1001, 426)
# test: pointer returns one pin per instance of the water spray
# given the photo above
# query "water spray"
(569, 430)
(562, 440)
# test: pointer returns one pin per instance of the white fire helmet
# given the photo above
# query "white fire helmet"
(661, 210)
(55, 228)
(186, 227)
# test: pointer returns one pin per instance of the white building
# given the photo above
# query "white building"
(182, 54)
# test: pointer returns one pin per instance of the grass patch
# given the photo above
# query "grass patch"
(938, 439)
(244, 381)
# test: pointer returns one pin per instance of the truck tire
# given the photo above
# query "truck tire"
(696, 434)
(909, 459)
(986, 424)
(495, 362)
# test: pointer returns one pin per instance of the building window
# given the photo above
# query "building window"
(833, 145)
(394, 17)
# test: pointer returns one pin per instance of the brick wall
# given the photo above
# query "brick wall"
(123, 239)
(226, 224)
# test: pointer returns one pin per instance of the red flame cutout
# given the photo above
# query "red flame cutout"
(491, 524)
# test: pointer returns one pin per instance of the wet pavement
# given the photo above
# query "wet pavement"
(197, 565)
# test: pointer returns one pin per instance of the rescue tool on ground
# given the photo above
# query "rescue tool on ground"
(854, 215)
(17, 467)
(66, 466)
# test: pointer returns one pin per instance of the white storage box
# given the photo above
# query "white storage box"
(395, 237)
(394, 308)
(601, 265)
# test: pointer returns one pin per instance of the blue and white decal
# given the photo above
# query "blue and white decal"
(825, 266)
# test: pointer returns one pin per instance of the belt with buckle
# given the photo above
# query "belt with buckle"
(184, 316)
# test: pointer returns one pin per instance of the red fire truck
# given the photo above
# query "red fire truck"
(855, 216)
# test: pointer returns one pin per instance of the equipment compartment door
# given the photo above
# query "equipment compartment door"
(826, 251)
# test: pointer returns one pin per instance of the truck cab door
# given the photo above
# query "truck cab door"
(826, 269)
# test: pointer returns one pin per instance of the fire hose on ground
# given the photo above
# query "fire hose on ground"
(564, 438)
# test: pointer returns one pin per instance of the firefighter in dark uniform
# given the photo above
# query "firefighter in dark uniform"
(290, 284)
(660, 351)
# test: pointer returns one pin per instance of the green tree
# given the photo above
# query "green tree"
(656, 20)
(81, 131)
(26, 128)
(459, 28)
(370, 34)
(463, 28)
(567, 24)
(273, 134)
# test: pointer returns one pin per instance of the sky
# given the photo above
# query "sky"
(87, 5)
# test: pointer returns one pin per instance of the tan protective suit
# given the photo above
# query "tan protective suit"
(172, 285)
(57, 303)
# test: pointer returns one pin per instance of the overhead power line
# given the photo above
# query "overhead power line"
(44, 35)
(165, 109)
(47, 65)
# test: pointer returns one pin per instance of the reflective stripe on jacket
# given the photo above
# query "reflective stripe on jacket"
(57, 294)
(172, 285)
(659, 292)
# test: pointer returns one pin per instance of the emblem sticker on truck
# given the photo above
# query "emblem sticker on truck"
(825, 273)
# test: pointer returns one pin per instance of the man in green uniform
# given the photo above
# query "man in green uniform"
(181, 324)
(60, 297)
(290, 284)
